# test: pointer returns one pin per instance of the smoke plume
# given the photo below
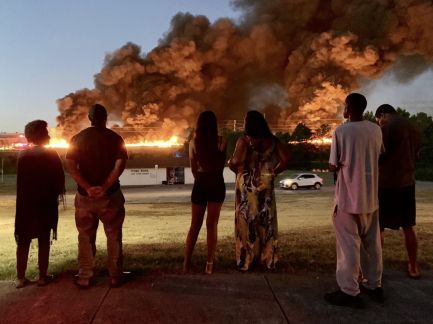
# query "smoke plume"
(309, 54)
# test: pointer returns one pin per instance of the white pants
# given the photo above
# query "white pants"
(358, 248)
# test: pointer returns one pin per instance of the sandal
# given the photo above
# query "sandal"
(209, 268)
(21, 283)
(45, 280)
(413, 273)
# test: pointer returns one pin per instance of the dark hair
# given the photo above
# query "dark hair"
(36, 131)
(385, 109)
(256, 125)
(356, 102)
(98, 115)
(206, 138)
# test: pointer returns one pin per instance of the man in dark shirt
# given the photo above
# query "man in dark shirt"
(397, 179)
(96, 158)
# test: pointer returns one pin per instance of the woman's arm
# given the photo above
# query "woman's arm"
(239, 155)
(283, 157)
(193, 158)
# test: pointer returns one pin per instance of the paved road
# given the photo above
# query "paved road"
(220, 298)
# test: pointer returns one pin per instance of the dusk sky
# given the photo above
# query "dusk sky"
(50, 48)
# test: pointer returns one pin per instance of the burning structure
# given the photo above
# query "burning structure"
(12, 141)
(292, 59)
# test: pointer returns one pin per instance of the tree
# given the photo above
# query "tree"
(301, 133)
(369, 115)
(422, 121)
(283, 137)
(403, 112)
(323, 130)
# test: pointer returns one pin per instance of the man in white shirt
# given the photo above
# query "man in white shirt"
(355, 150)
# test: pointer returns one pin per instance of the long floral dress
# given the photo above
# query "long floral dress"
(256, 227)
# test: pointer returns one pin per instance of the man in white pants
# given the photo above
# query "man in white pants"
(355, 150)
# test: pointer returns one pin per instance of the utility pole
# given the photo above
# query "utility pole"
(3, 176)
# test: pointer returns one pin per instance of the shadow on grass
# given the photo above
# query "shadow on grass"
(296, 252)
(307, 250)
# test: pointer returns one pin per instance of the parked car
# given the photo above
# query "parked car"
(305, 180)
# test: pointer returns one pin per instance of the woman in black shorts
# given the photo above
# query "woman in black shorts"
(207, 154)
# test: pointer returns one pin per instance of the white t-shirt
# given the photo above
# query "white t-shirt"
(356, 147)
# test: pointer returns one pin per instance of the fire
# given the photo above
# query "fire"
(58, 142)
(319, 141)
(173, 141)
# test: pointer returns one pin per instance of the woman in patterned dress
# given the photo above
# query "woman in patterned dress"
(258, 157)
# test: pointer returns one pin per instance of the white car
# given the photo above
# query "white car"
(306, 180)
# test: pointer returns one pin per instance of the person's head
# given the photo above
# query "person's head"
(355, 105)
(207, 123)
(384, 113)
(256, 125)
(98, 115)
(206, 137)
(36, 132)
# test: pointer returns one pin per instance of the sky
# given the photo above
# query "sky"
(50, 48)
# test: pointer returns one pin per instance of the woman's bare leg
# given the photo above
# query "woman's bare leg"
(213, 214)
(196, 223)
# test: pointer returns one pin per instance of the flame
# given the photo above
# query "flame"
(58, 142)
(319, 141)
(173, 141)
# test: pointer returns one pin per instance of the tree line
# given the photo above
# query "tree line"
(306, 155)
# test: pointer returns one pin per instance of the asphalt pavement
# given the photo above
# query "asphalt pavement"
(220, 298)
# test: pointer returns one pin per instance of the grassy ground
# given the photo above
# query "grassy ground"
(154, 235)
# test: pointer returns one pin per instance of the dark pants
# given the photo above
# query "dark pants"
(23, 255)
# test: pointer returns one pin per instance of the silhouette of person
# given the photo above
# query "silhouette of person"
(397, 164)
(96, 159)
(355, 150)
(40, 182)
(207, 154)
(258, 157)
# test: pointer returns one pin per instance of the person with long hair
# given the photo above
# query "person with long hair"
(40, 183)
(258, 157)
(207, 153)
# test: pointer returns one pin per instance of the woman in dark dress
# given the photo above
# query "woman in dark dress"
(40, 182)
(207, 154)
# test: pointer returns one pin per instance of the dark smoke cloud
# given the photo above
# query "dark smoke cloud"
(314, 51)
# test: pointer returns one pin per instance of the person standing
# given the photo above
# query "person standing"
(207, 154)
(258, 157)
(397, 163)
(40, 183)
(96, 159)
(355, 150)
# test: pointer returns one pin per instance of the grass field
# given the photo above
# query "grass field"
(154, 235)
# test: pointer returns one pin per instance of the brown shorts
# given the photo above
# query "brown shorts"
(397, 207)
